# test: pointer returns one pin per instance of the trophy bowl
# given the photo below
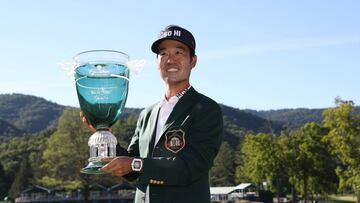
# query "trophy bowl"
(102, 82)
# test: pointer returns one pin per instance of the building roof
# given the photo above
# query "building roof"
(37, 189)
(242, 186)
(228, 189)
(97, 187)
(221, 190)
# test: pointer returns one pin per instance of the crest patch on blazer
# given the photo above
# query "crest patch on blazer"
(175, 140)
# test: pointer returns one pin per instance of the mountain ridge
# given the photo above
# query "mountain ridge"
(22, 114)
(29, 114)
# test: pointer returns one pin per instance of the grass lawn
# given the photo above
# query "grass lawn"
(341, 198)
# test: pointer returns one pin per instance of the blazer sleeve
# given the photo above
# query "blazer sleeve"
(195, 160)
(133, 148)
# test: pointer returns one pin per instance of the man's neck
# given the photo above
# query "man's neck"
(171, 91)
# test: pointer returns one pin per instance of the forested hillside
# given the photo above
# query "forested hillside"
(8, 129)
(24, 114)
(238, 122)
(56, 146)
(292, 118)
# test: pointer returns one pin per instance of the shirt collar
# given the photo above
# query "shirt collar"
(180, 94)
(174, 99)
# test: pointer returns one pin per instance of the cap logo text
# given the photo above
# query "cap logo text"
(177, 33)
(170, 33)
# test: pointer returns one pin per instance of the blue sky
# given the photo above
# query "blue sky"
(254, 54)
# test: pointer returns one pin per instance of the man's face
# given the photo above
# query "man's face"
(174, 62)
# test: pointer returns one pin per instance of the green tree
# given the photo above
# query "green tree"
(344, 138)
(223, 171)
(14, 152)
(261, 160)
(4, 182)
(124, 130)
(67, 153)
(22, 179)
(311, 167)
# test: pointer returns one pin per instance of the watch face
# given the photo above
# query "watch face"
(136, 164)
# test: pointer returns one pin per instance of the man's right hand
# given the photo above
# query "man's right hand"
(84, 120)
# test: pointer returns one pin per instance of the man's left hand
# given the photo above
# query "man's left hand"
(118, 166)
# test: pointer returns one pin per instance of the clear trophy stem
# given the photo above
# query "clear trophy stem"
(102, 145)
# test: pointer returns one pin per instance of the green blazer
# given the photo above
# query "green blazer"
(177, 168)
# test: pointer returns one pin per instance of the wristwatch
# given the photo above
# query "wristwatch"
(136, 164)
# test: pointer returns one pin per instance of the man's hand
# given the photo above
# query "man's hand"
(84, 120)
(118, 166)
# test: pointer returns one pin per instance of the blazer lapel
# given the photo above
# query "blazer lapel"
(153, 121)
(183, 104)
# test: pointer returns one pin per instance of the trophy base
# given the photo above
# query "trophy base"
(94, 168)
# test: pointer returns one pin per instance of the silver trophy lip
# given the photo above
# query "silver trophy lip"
(100, 50)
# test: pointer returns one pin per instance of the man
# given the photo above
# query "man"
(177, 139)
